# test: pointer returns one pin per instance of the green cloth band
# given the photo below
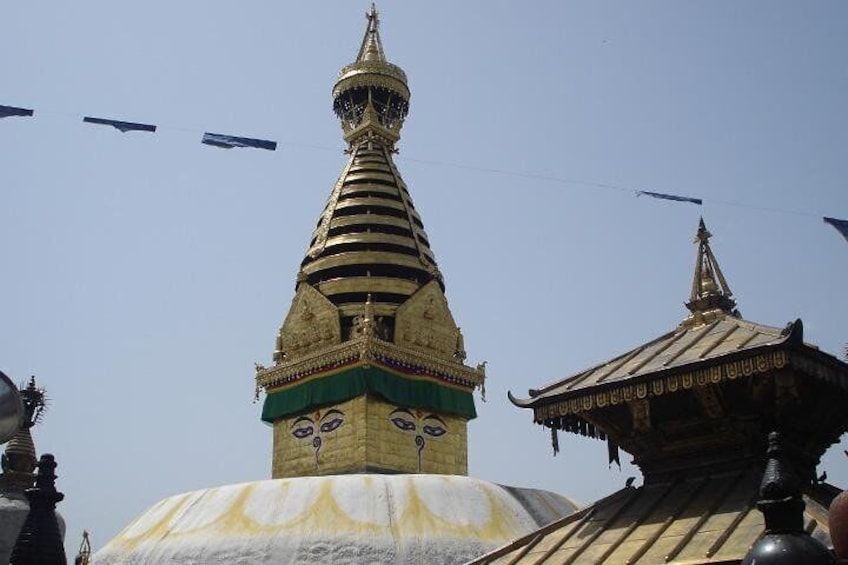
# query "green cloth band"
(356, 381)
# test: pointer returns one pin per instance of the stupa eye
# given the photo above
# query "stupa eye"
(403, 424)
(303, 427)
(303, 432)
(434, 431)
(332, 425)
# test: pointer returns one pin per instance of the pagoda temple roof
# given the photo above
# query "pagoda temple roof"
(706, 520)
(673, 352)
(712, 344)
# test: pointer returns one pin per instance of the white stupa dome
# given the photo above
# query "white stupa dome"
(338, 520)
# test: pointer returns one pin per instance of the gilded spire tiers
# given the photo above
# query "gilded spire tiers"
(711, 297)
(369, 348)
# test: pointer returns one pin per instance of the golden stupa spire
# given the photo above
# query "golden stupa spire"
(369, 351)
(710, 297)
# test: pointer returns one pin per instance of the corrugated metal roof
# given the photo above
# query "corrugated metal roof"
(704, 520)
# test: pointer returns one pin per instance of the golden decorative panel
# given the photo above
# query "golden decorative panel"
(367, 434)
(424, 322)
(311, 324)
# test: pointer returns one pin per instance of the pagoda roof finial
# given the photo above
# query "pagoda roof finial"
(710, 297)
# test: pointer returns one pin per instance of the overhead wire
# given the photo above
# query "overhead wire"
(12, 111)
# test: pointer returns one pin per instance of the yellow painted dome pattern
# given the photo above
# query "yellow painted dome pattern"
(391, 519)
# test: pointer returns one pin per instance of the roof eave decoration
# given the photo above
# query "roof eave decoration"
(655, 384)
(788, 351)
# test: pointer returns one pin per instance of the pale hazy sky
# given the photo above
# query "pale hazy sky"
(144, 274)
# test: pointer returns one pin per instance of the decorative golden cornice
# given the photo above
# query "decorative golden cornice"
(367, 347)
(731, 370)
(363, 75)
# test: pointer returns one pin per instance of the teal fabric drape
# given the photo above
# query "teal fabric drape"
(356, 381)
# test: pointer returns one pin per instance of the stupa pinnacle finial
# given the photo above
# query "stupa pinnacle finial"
(372, 47)
(371, 96)
(711, 295)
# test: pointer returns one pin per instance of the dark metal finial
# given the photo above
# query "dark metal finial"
(40, 541)
(35, 402)
(780, 492)
(785, 541)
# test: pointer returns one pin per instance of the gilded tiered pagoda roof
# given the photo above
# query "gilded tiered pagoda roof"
(700, 376)
(694, 407)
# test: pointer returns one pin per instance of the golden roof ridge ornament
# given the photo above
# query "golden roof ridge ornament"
(710, 297)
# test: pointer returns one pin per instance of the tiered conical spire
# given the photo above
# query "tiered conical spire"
(369, 330)
(710, 298)
(20, 458)
(370, 239)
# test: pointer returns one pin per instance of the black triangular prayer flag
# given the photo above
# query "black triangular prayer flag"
(231, 141)
(697, 201)
(840, 225)
(119, 125)
(8, 111)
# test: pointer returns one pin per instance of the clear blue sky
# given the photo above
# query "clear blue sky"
(144, 274)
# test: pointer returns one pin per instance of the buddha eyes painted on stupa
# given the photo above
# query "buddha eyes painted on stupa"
(306, 426)
(434, 431)
(407, 421)
(421, 424)
(316, 426)
(331, 421)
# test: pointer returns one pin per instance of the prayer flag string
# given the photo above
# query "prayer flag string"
(226, 141)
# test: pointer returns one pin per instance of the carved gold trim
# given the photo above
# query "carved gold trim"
(359, 75)
(672, 383)
(367, 348)
(425, 323)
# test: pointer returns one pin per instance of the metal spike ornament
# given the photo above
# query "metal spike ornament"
(19, 460)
